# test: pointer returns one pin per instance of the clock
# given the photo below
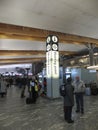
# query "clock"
(55, 47)
(48, 47)
(54, 39)
(48, 39)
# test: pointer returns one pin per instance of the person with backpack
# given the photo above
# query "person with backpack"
(68, 101)
(32, 89)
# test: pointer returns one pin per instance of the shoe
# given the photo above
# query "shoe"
(70, 121)
(82, 112)
(66, 119)
(77, 111)
(22, 96)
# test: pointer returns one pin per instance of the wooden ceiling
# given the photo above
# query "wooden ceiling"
(8, 31)
(27, 33)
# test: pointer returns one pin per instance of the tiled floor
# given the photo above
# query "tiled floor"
(45, 114)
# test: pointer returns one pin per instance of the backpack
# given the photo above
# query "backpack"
(62, 90)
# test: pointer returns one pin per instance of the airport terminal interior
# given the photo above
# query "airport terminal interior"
(43, 43)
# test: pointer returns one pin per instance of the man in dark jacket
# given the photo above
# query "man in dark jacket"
(68, 101)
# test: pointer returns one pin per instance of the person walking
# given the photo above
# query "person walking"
(79, 89)
(68, 101)
(3, 86)
(23, 84)
(32, 90)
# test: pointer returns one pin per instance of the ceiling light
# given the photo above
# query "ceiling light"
(81, 60)
(93, 67)
(95, 54)
(72, 62)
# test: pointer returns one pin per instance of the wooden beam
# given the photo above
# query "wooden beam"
(14, 60)
(29, 52)
(34, 38)
(20, 60)
(42, 34)
(21, 37)
(21, 52)
(15, 63)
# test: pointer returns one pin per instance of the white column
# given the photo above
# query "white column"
(52, 66)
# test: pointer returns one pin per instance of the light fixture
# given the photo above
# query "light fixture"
(72, 62)
(93, 67)
(81, 60)
(95, 54)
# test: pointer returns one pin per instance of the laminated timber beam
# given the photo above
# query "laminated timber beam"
(29, 52)
(20, 60)
(29, 33)
(21, 52)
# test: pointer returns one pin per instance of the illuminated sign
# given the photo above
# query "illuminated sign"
(55, 64)
(48, 64)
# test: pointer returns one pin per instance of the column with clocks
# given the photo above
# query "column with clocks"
(52, 66)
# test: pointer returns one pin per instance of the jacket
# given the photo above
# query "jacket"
(79, 87)
(3, 88)
(69, 97)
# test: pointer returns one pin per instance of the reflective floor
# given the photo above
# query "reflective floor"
(45, 114)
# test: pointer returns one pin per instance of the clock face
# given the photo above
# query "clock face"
(48, 39)
(54, 39)
(48, 47)
(55, 47)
